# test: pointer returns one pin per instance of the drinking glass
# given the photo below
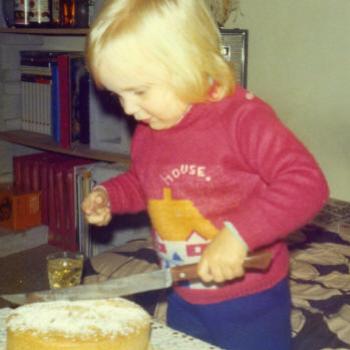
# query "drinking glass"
(64, 269)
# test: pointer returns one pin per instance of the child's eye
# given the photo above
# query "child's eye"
(139, 92)
(113, 94)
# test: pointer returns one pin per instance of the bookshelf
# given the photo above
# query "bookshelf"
(45, 142)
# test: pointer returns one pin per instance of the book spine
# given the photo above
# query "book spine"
(53, 227)
(26, 171)
(84, 109)
(36, 101)
(43, 173)
(55, 103)
(61, 211)
(25, 96)
(17, 172)
(63, 72)
(35, 176)
(71, 236)
(77, 71)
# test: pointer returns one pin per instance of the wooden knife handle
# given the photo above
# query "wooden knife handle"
(255, 261)
(259, 260)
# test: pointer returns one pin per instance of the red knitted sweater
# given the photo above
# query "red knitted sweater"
(233, 161)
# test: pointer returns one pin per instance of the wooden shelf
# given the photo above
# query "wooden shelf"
(45, 142)
(46, 31)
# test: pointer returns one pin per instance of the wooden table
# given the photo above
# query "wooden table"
(24, 271)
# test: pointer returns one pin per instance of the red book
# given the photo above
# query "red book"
(61, 198)
(42, 173)
(70, 211)
(30, 174)
(71, 228)
(17, 172)
(35, 175)
(52, 212)
(44, 180)
(25, 173)
(59, 194)
(54, 192)
(63, 81)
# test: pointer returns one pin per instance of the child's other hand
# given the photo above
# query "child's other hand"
(223, 258)
(96, 207)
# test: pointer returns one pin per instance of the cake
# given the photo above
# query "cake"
(110, 324)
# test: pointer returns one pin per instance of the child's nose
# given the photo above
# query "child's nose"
(129, 105)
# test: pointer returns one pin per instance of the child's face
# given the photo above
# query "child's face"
(149, 100)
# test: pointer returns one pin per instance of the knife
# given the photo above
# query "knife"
(132, 284)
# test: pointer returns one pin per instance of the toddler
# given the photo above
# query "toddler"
(217, 171)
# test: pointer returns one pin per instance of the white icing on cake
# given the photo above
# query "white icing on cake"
(86, 318)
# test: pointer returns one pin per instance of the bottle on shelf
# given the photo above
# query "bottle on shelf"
(56, 13)
(68, 13)
(39, 14)
(21, 12)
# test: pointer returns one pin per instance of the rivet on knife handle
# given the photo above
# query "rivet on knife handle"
(184, 273)
(255, 261)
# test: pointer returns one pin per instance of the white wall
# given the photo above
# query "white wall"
(299, 56)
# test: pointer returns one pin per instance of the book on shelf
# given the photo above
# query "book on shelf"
(55, 103)
(36, 109)
(36, 89)
(62, 212)
(44, 187)
(25, 174)
(73, 100)
(55, 89)
(60, 99)
(66, 205)
(52, 175)
(54, 236)
(30, 173)
(64, 100)
(63, 181)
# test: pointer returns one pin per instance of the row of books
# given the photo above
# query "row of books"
(52, 175)
(60, 99)
(63, 181)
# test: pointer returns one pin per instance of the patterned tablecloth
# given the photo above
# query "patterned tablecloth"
(163, 338)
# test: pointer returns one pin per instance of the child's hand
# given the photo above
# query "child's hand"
(96, 207)
(223, 258)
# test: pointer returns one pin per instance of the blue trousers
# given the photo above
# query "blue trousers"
(256, 322)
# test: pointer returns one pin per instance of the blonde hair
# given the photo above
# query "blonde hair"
(180, 35)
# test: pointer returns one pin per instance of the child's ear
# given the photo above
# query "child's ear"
(214, 92)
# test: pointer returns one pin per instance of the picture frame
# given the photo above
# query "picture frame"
(235, 50)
